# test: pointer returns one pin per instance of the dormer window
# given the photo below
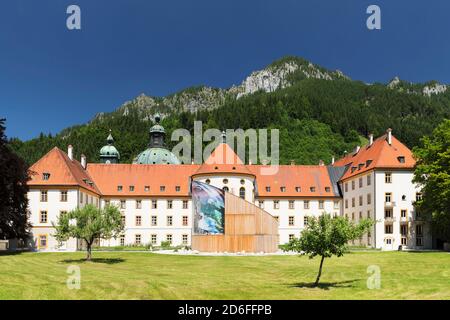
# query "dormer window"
(298, 189)
(131, 188)
(368, 162)
(327, 189)
(360, 166)
(312, 189)
(177, 188)
(119, 188)
(45, 176)
(353, 169)
(401, 159)
(147, 188)
(162, 188)
(267, 188)
(283, 189)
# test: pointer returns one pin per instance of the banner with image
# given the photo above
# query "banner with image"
(209, 209)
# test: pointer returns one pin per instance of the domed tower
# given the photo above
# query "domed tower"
(109, 153)
(157, 153)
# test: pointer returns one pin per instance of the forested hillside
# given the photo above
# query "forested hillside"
(320, 113)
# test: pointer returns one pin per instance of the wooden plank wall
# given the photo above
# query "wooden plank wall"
(247, 228)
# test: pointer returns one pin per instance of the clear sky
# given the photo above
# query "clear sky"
(51, 78)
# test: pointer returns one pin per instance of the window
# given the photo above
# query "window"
(123, 220)
(107, 202)
(387, 197)
(119, 188)
(276, 204)
(43, 241)
(45, 176)
(184, 239)
(388, 213)
(360, 182)
(154, 220)
(138, 204)
(360, 200)
(154, 204)
(267, 189)
(305, 221)
(44, 196)
(368, 214)
(185, 220)
(327, 189)
(401, 159)
(346, 187)
(208, 181)
(388, 177)
(123, 204)
(353, 216)
(403, 229)
(321, 204)
(404, 241)
(419, 241)
(131, 188)
(62, 213)
(291, 237)
(43, 217)
(63, 196)
(369, 180)
(353, 185)
(403, 213)
(388, 241)
(418, 196)
(283, 189)
(169, 221)
(162, 188)
(403, 197)
(242, 181)
(312, 189)
(225, 189)
(153, 239)
(177, 188)
(261, 204)
(147, 188)
(185, 204)
(360, 215)
(169, 238)
(291, 220)
(336, 204)
(225, 181)
(419, 230)
(298, 189)
(137, 239)
(242, 193)
(369, 198)
(122, 240)
(291, 204)
(138, 221)
(388, 229)
(306, 204)
(169, 204)
(346, 203)
(353, 202)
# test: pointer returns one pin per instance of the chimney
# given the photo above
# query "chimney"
(292, 162)
(370, 139)
(389, 136)
(332, 160)
(321, 163)
(70, 152)
(357, 148)
(83, 161)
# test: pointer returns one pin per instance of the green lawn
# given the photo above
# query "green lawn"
(128, 275)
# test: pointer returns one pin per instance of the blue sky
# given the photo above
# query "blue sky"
(51, 78)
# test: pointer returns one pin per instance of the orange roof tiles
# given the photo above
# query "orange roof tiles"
(379, 155)
(62, 170)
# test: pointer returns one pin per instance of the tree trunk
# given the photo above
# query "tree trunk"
(89, 251)
(320, 272)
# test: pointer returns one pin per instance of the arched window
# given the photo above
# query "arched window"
(225, 189)
(242, 193)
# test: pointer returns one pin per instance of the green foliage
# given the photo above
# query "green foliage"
(433, 174)
(89, 223)
(326, 236)
(165, 244)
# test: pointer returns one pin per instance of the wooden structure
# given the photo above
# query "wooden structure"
(248, 228)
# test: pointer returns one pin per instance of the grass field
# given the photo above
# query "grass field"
(128, 275)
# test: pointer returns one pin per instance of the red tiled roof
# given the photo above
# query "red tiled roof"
(62, 170)
(379, 155)
(109, 176)
(292, 177)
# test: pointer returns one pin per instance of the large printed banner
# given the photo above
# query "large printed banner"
(209, 208)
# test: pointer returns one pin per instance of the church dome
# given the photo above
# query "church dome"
(109, 153)
(157, 153)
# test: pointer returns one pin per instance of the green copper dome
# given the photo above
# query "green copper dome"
(109, 153)
(157, 153)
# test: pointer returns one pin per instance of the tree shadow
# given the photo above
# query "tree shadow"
(95, 260)
(324, 285)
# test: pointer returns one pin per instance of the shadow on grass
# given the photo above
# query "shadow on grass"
(95, 260)
(324, 285)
